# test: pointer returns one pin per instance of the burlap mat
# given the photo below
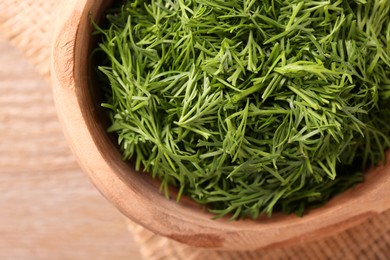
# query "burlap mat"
(28, 26)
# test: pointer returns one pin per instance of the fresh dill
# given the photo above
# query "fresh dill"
(250, 106)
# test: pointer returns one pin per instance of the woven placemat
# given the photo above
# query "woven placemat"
(28, 24)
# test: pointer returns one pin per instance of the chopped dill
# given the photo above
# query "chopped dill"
(250, 106)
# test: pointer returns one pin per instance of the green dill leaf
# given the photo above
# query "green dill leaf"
(249, 106)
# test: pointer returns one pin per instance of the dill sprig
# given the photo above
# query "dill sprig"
(250, 106)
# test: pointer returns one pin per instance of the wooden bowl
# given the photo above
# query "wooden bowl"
(137, 196)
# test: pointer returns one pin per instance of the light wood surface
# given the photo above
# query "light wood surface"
(138, 197)
(48, 208)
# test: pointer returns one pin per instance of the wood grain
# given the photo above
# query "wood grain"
(49, 209)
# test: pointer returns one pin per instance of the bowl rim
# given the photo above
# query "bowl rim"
(137, 198)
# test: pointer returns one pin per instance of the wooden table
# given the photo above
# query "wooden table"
(49, 210)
